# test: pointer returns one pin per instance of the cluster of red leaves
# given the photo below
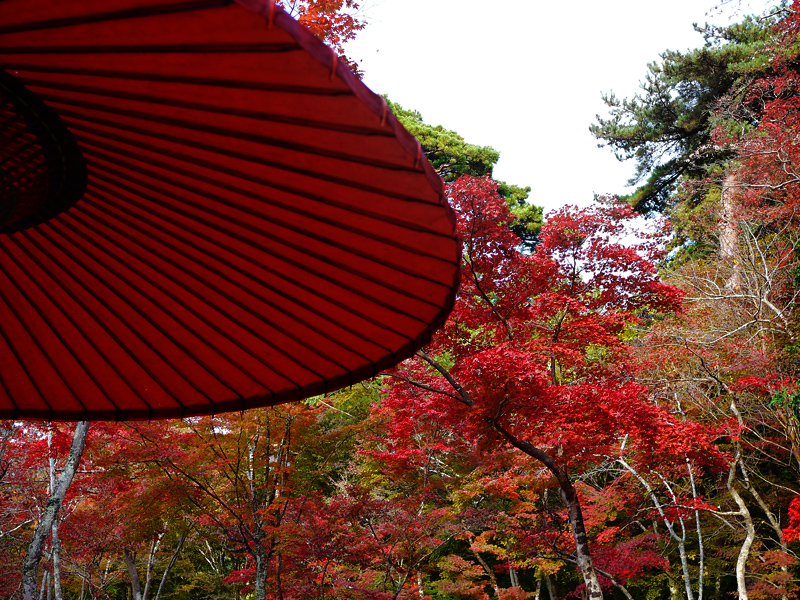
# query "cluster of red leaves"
(769, 153)
(536, 344)
(792, 532)
(536, 338)
(335, 22)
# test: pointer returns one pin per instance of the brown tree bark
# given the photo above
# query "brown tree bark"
(729, 231)
(569, 497)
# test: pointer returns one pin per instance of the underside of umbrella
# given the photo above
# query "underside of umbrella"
(201, 210)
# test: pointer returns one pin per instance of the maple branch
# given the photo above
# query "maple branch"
(525, 447)
(488, 300)
(425, 386)
(464, 397)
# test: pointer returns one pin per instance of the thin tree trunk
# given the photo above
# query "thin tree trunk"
(56, 544)
(570, 499)
(55, 541)
(551, 588)
(701, 548)
(744, 551)
(30, 564)
(130, 562)
(151, 560)
(489, 572)
(262, 565)
(512, 572)
(45, 584)
(169, 566)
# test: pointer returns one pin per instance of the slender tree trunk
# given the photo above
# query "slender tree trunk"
(55, 542)
(512, 572)
(151, 562)
(570, 499)
(674, 594)
(262, 566)
(489, 572)
(169, 566)
(700, 546)
(130, 562)
(551, 588)
(45, 584)
(84, 577)
(30, 564)
(744, 551)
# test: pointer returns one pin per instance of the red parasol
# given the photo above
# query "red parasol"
(201, 210)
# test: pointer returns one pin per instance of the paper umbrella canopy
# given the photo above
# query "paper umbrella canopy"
(201, 210)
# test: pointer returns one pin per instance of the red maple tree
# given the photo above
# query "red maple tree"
(533, 353)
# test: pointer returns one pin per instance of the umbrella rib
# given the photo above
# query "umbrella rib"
(194, 275)
(221, 131)
(226, 48)
(137, 196)
(196, 176)
(410, 225)
(121, 319)
(68, 234)
(175, 78)
(34, 338)
(131, 13)
(197, 314)
(100, 353)
(298, 248)
(257, 160)
(24, 369)
(184, 236)
(210, 108)
(6, 389)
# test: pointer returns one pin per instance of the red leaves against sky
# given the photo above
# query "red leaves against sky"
(536, 339)
(335, 22)
(763, 131)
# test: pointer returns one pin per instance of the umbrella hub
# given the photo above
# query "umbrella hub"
(42, 171)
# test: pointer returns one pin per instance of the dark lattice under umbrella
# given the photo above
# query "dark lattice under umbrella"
(201, 210)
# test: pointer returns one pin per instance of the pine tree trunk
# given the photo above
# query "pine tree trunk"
(729, 231)
(30, 564)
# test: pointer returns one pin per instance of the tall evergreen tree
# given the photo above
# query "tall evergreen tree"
(667, 128)
(453, 157)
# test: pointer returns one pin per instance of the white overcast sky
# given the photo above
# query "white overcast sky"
(526, 76)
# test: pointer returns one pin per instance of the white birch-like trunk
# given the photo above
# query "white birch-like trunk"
(33, 556)
(55, 542)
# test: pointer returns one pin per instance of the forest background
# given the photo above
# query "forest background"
(611, 410)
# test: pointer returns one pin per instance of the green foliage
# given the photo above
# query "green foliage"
(667, 128)
(452, 157)
(446, 150)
